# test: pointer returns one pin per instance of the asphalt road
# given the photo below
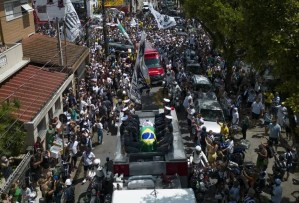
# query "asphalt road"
(153, 101)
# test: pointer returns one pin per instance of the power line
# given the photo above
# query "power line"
(36, 72)
(48, 5)
(50, 60)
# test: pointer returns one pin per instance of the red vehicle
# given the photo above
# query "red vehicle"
(153, 63)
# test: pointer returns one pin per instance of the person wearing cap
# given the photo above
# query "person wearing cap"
(198, 157)
(69, 192)
(166, 101)
(276, 194)
(274, 131)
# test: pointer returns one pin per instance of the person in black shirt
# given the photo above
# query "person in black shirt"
(69, 192)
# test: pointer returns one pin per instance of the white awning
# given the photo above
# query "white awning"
(27, 7)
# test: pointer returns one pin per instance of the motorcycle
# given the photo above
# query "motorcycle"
(238, 154)
(200, 181)
(100, 175)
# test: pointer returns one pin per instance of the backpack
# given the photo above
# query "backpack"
(270, 152)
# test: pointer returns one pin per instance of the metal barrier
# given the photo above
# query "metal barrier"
(18, 173)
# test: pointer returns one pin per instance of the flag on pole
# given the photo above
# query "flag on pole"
(163, 21)
(123, 31)
(140, 79)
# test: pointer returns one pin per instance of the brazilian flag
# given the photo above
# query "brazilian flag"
(148, 139)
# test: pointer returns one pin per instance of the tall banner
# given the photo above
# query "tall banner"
(123, 31)
(140, 79)
(163, 21)
(72, 22)
(49, 10)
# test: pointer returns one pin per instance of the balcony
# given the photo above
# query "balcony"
(11, 60)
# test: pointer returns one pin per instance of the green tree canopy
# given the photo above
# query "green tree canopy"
(267, 32)
(271, 36)
(12, 136)
(223, 20)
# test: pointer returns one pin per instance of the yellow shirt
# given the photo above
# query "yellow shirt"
(224, 130)
(268, 97)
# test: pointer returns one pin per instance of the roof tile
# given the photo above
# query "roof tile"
(33, 87)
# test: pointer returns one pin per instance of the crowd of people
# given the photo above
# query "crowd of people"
(103, 94)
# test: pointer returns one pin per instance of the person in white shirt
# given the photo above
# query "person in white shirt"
(191, 111)
(87, 158)
(99, 127)
(281, 111)
(73, 148)
(256, 110)
(235, 118)
(199, 158)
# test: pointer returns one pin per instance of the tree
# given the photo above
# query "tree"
(271, 36)
(12, 135)
(223, 20)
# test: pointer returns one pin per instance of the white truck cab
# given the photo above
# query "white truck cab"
(154, 196)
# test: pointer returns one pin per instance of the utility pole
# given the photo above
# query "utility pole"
(59, 42)
(65, 57)
(86, 23)
(131, 6)
(105, 28)
(1, 33)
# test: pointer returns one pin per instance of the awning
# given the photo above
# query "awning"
(27, 7)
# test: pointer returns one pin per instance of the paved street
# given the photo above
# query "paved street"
(290, 188)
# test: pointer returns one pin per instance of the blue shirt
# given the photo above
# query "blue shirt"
(274, 130)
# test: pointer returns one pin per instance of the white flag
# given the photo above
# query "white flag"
(163, 21)
(133, 23)
(72, 22)
(140, 79)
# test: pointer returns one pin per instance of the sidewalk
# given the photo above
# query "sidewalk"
(290, 188)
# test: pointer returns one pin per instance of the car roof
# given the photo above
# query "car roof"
(207, 104)
(117, 45)
(200, 79)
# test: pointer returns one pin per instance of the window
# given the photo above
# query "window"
(57, 105)
(13, 10)
(41, 9)
(60, 3)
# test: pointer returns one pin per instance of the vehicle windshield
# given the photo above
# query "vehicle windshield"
(211, 115)
(194, 69)
(203, 87)
(152, 63)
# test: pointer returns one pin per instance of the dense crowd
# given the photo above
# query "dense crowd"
(100, 97)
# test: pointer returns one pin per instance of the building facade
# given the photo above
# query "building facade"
(17, 21)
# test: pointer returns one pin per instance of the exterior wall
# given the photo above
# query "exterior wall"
(15, 30)
(38, 127)
(11, 61)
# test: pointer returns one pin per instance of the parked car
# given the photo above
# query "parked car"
(211, 111)
(201, 82)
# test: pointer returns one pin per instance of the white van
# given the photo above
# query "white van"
(154, 196)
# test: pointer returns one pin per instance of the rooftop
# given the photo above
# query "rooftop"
(42, 49)
(33, 87)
